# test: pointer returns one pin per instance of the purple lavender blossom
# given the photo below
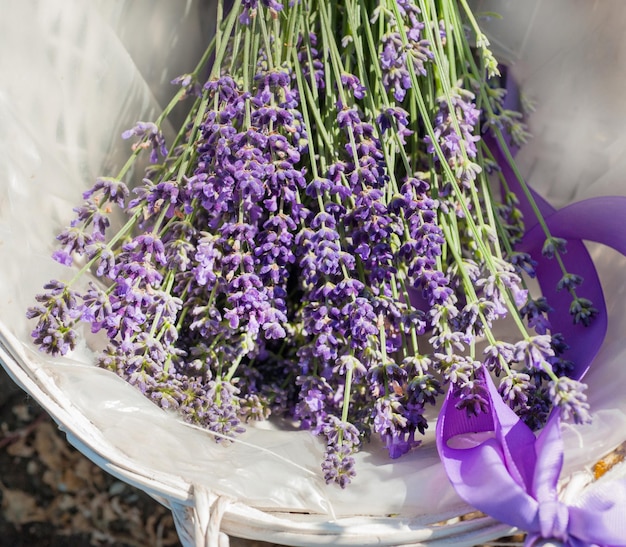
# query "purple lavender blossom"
(498, 353)
(534, 351)
(342, 441)
(250, 7)
(523, 262)
(354, 84)
(459, 149)
(153, 198)
(582, 310)
(74, 241)
(57, 313)
(421, 249)
(569, 396)
(396, 77)
(473, 397)
(394, 423)
(189, 83)
(395, 119)
(110, 190)
(150, 136)
(97, 307)
(514, 389)
(396, 55)
(315, 399)
(536, 313)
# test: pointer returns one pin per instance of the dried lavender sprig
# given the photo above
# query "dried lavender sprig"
(589, 311)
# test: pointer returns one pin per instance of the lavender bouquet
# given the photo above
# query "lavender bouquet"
(333, 238)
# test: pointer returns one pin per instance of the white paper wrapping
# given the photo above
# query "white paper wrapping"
(73, 75)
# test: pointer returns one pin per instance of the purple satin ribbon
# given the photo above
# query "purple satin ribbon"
(512, 476)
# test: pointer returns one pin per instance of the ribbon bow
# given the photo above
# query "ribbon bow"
(498, 466)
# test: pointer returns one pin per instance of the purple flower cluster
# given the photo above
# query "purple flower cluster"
(150, 136)
(311, 60)
(396, 120)
(455, 132)
(247, 183)
(250, 7)
(219, 242)
(397, 55)
(56, 317)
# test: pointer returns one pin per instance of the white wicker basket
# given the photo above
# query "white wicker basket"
(73, 75)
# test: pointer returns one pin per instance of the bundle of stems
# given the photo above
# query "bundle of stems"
(328, 238)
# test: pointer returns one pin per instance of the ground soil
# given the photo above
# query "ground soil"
(53, 496)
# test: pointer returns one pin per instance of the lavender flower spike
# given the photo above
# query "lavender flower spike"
(150, 136)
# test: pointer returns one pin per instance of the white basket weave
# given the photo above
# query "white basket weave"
(73, 75)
